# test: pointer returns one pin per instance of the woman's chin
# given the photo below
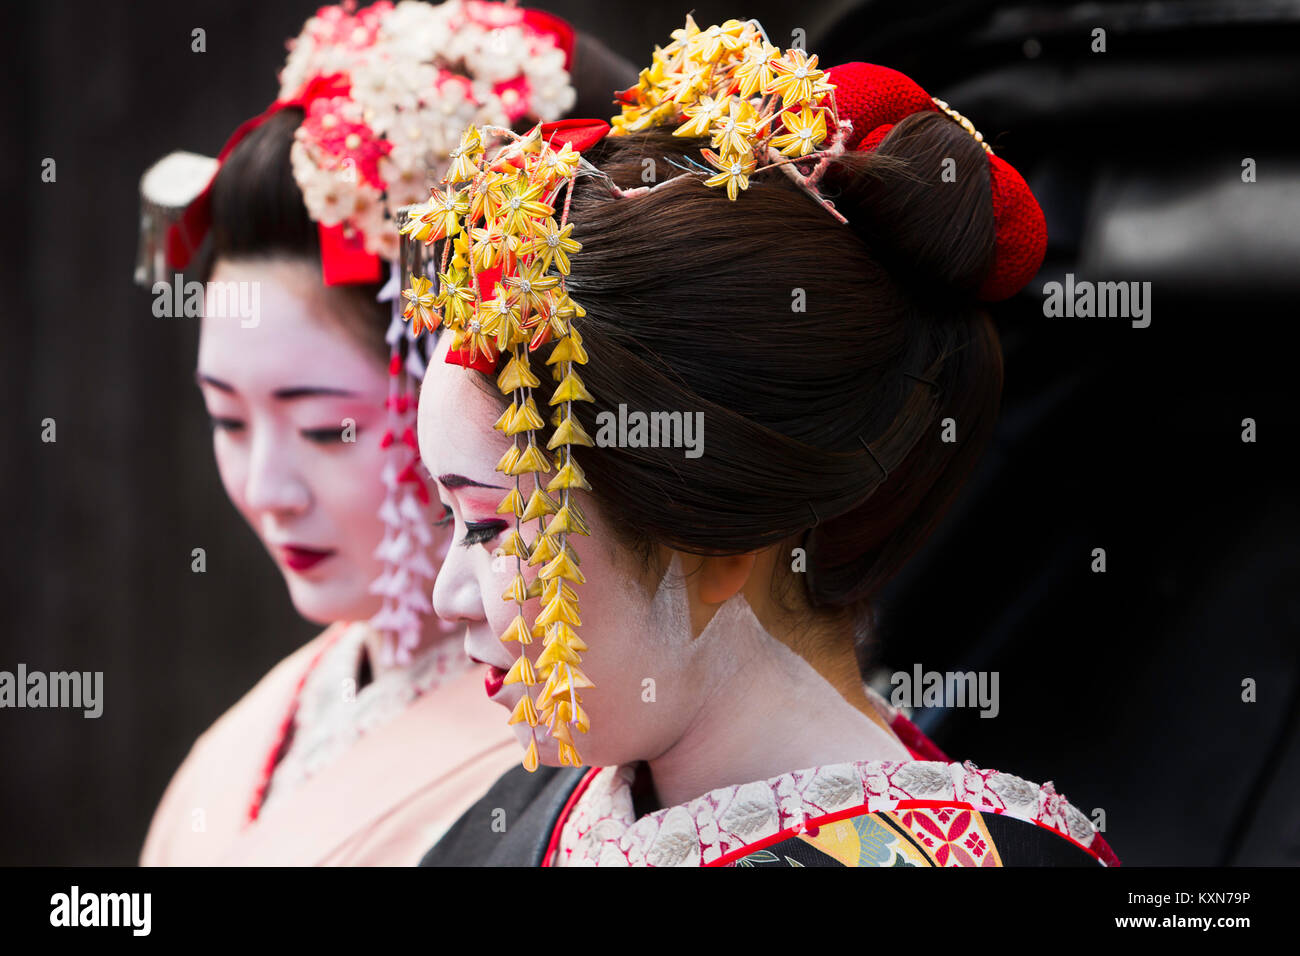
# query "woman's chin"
(548, 750)
(325, 605)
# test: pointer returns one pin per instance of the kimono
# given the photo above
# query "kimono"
(928, 811)
(307, 769)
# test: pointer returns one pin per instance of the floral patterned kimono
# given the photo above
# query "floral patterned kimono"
(923, 812)
(309, 770)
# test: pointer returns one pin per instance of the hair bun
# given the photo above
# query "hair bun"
(917, 191)
(876, 99)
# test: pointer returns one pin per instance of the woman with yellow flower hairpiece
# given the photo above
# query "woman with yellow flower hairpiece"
(693, 426)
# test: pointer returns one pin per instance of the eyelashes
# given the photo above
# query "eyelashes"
(317, 436)
(325, 436)
(476, 532)
(481, 532)
(225, 424)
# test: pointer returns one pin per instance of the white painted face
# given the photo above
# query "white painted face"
(281, 393)
(641, 652)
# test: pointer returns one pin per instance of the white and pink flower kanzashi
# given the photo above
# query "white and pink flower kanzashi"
(416, 75)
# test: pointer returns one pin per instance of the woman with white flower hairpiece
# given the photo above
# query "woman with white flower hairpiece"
(312, 406)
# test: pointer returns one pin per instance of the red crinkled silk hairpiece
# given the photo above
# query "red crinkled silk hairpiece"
(874, 98)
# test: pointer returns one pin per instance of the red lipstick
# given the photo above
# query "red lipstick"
(493, 679)
(303, 559)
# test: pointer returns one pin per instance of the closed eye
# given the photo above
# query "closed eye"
(225, 424)
(481, 532)
(327, 436)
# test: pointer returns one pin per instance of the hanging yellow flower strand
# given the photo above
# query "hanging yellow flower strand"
(498, 213)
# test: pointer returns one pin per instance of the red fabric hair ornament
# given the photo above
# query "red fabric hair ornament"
(342, 258)
(874, 98)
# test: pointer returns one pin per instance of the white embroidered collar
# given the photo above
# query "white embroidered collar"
(602, 828)
(332, 713)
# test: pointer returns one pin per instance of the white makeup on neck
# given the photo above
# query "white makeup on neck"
(671, 614)
(769, 712)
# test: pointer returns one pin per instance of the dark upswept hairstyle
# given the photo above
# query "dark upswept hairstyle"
(692, 304)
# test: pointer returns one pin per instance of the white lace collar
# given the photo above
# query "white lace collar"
(602, 829)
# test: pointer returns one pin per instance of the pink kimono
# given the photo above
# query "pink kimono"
(307, 770)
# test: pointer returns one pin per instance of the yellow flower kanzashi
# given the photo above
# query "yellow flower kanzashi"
(805, 131)
(498, 212)
(437, 218)
(735, 171)
(420, 309)
(728, 83)
(552, 244)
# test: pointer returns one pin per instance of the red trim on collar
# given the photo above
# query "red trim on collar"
(917, 743)
(553, 846)
(278, 749)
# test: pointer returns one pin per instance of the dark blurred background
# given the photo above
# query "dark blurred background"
(1124, 687)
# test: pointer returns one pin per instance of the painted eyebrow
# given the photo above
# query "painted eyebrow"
(304, 391)
(452, 482)
(216, 383)
(311, 391)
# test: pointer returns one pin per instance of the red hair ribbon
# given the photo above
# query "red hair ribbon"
(342, 259)
(874, 98)
(581, 134)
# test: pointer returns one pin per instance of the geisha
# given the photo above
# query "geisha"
(683, 692)
(313, 413)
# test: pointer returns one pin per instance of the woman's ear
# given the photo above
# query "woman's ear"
(721, 577)
(711, 581)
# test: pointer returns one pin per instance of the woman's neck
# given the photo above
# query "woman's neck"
(770, 712)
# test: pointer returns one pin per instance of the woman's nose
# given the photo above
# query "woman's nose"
(274, 482)
(456, 595)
